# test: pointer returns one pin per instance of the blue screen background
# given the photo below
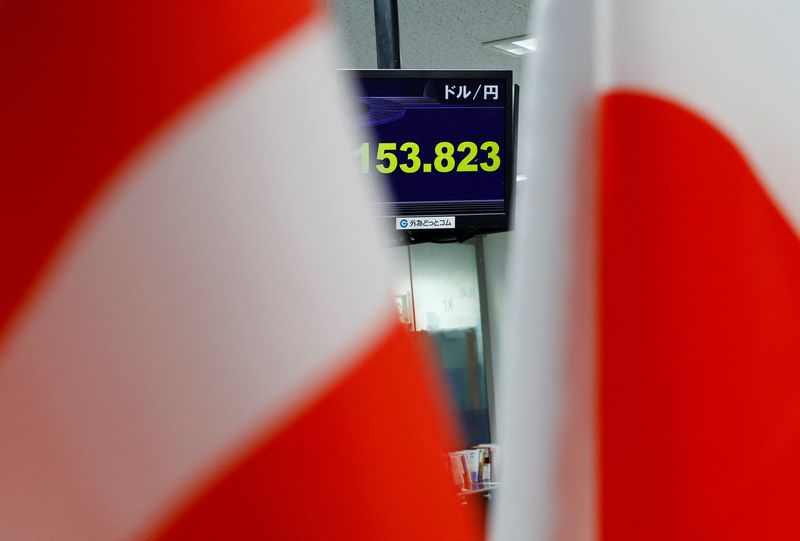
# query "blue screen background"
(415, 109)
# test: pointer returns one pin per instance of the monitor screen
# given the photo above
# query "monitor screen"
(442, 142)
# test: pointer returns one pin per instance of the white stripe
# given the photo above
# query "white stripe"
(735, 61)
(546, 384)
(227, 277)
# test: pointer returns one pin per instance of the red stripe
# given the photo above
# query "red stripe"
(83, 83)
(366, 461)
(700, 335)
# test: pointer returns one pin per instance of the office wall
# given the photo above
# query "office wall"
(445, 281)
(495, 254)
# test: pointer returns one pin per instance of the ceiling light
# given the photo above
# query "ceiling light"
(516, 46)
(527, 43)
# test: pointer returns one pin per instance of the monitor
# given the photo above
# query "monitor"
(442, 141)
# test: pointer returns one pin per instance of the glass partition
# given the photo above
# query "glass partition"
(439, 297)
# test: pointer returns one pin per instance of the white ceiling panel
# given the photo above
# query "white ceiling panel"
(435, 34)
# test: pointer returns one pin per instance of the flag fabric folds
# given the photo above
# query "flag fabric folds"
(649, 387)
(196, 339)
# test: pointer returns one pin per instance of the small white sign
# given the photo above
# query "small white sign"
(426, 222)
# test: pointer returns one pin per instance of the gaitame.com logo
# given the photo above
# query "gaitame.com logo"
(403, 223)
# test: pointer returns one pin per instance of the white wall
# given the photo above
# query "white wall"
(445, 282)
(495, 255)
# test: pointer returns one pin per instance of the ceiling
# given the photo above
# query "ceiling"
(435, 34)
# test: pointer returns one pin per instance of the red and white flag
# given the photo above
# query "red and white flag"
(650, 385)
(196, 337)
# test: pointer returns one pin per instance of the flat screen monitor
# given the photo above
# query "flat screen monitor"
(442, 141)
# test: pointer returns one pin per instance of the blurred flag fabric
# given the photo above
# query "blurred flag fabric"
(649, 388)
(196, 336)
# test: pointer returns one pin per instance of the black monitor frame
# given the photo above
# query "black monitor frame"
(468, 225)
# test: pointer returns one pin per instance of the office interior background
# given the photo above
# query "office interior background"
(453, 293)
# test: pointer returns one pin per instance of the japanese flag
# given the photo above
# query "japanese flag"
(650, 383)
(196, 337)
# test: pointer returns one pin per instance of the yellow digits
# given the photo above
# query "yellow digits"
(445, 160)
(466, 165)
(493, 149)
(413, 164)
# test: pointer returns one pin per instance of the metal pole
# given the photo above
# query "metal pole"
(387, 34)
